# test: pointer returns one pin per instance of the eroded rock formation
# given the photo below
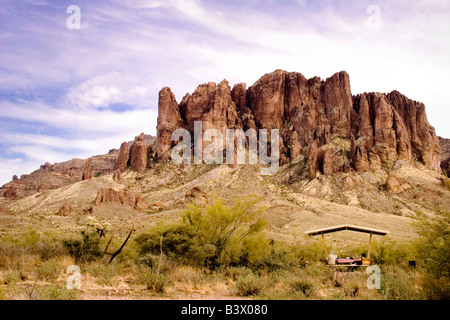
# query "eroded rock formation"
(445, 155)
(65, 209)
(123, 197)
(319, 119)
(122, 159)
(87, 171)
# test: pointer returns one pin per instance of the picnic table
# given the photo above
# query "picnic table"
(349, 262)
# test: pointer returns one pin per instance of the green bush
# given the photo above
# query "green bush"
(436, 288)
(55, 292)
(153, 280)
(84, 250)
(433, 250)
(88, 248)
(234, 272)
(434, 243)
(398, 284)
(49, 270)
(149, 260)
(249, 285)
(30, 242)
(306, 285)
(212, 235)
(389, 252)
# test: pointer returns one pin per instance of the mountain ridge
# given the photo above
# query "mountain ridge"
(378, 129)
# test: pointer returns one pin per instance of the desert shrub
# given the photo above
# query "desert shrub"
(88, 247)
(434, 243)
(306, 285)
(54, 292)
(49, 270)
(310, 251)
(31, 242)
(398, 284)
(212, 235)
(153, 280)
(84, 250)
(389, 252)
(149, 260)
(175, 240)
(433, 250)
(353, 284)
(104, 272)
(234, 272)
(187, 275)
(436, 288)
(10, 277)
(161, 263)
(260, 252)
(249, 285)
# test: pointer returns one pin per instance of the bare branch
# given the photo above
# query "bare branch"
(123, 245)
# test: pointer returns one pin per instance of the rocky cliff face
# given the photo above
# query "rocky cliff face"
(374, 129)
(445, 156)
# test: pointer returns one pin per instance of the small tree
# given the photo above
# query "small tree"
(88, 248)
(434, 244)
(211, 235)
(434, 249)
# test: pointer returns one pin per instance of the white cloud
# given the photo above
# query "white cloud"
(89, 121)
(104, 90)
(17, 167)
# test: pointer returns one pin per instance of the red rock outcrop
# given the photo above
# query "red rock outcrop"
(239, 97)
(87, 171)
(445, 155)
(117, 176)
(123, 197)
(122, 159)
(169, 119)
(393, 128)
(310, 113)
(213, 105)
(65, 209)
(313, 154)
(138, 158)
(10, 192)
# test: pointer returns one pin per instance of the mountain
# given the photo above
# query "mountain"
(310, 114)
(370, 159)
(57, 175)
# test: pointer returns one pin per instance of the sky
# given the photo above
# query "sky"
(78, 81)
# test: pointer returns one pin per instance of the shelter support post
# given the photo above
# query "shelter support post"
(323, 243)
(370, 245)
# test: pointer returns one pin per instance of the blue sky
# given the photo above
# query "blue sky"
(68, 93)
